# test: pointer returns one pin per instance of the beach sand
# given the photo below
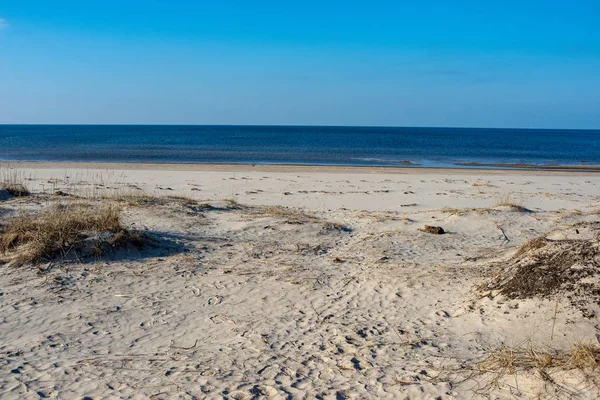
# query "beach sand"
(296, 282)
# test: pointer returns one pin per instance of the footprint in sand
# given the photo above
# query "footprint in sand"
(220, 319)
(215, 300)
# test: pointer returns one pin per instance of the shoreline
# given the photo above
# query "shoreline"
(472, 168)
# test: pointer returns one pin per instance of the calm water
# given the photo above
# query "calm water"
(298, 145)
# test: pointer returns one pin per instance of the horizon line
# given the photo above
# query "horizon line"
(299, 125)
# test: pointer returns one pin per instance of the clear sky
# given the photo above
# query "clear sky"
(401, 63)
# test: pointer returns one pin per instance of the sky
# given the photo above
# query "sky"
(377, 63)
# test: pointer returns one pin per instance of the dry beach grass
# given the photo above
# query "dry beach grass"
(61, 230)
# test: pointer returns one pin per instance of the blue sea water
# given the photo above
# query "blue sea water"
(374, 146)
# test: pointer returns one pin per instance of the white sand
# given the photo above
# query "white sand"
(241, 304)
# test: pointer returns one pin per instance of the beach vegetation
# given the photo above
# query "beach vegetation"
(549, 364)
(61, 230)
(511, 204)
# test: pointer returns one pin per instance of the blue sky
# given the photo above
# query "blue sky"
(393, 63)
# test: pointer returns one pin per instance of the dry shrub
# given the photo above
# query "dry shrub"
(58, 231)
(545, 267)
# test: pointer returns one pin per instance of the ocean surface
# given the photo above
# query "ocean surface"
(373, 146)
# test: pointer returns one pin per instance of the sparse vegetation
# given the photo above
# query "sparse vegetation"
(60, 230)
(457, 211)
(291, 216)
(510, 360)
(12, 182)
(544, 267)
(142, 199)
(482, 184)
(334, 227)
(506, 203)
(546, 362)
(511, 204)
(15, 189)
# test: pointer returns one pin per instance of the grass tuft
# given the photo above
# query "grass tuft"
(513, 205)
(15, 189)
(545, 267)
(548, 363)
(11, 181)
(60, 230)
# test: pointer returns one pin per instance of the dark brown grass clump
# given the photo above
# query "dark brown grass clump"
(58, 231)
(545, 267)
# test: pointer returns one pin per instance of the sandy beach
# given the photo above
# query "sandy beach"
(305, 282)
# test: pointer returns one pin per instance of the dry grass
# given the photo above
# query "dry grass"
(190, 205)
(334, 227)
(512, 204)
(58, 231)
(15, 189)
(143, 199)
(290, 215)
(549, 364)
(12, 182)
(509, 205)
(530, 246)
(456, 211)
(506, 360)
(545, 267)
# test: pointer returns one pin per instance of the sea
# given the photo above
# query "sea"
(301, 145)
